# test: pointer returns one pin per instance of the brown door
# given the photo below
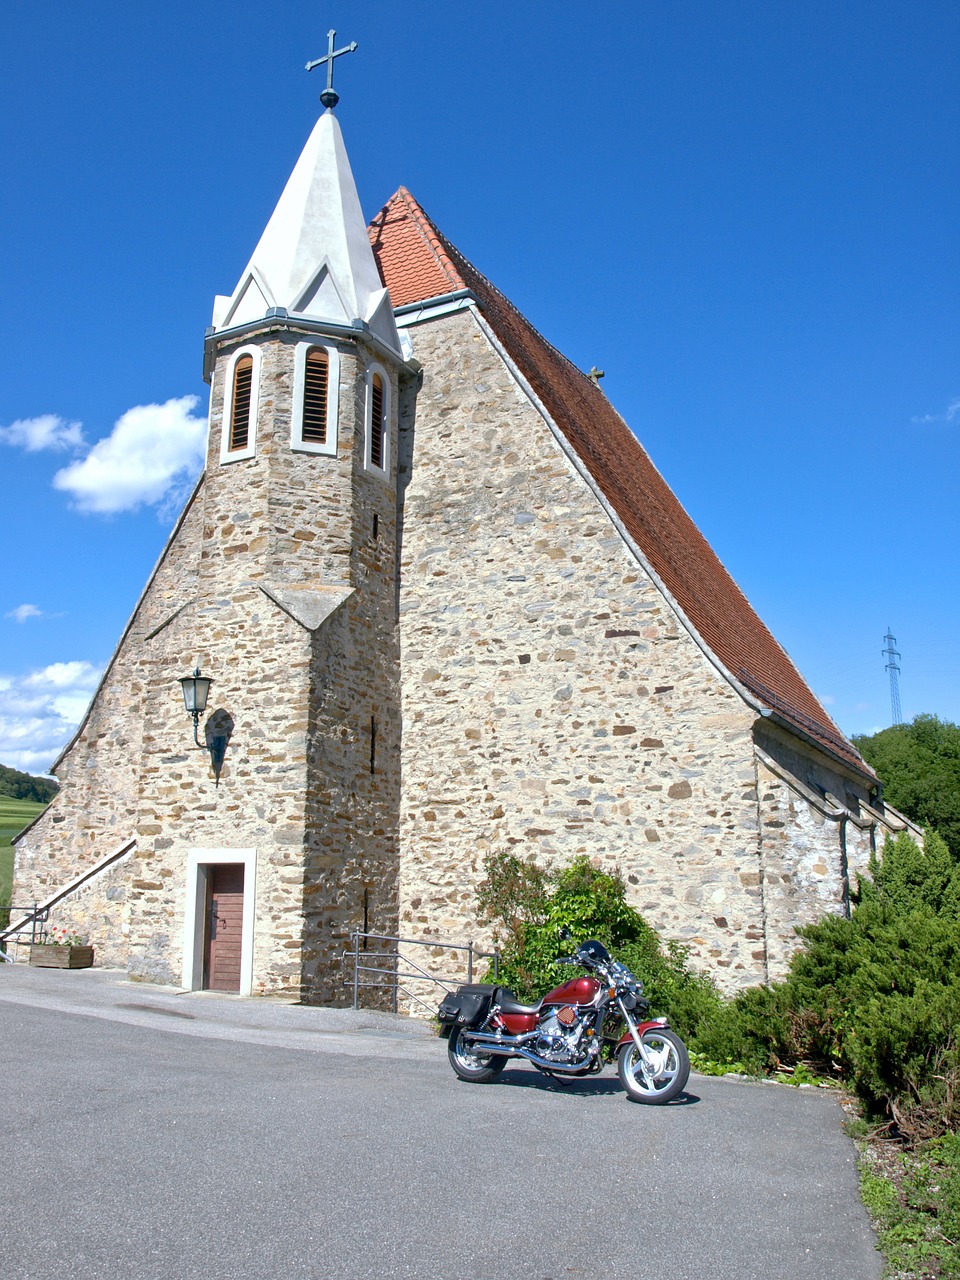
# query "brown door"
(224, 927)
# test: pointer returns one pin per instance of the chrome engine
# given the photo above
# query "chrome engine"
(559, 1034)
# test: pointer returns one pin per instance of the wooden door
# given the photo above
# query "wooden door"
(224, 927)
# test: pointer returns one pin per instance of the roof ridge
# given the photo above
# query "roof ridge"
(424, 226)
(453, 252)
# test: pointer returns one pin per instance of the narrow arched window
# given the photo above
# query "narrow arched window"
(241, 396)
(316, 383)
(378, 416)
(241, 404)
(316, 399)
(377, 424)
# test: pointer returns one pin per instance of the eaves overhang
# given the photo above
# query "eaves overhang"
(278, 320)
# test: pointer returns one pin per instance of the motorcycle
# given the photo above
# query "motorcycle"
(574, 1030)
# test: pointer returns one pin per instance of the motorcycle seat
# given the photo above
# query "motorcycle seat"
(510, 1004)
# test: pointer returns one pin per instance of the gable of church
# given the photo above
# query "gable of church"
(416, 262)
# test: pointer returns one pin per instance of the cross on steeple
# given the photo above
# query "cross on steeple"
(330, 97)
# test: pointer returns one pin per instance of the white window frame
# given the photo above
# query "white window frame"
(237, 455)
(368, 420)
(297, 441)
(194, 919)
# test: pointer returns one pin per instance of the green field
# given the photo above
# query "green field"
(14, 816)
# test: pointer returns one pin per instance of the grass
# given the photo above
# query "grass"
(913, 1197)
(14, 816)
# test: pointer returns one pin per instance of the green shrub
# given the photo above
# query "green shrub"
(529, 906)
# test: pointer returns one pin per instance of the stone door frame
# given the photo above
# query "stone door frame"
(195, 913)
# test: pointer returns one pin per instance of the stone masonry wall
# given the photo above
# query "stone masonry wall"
(817, 832)
(353, 764)
(553, 705)
(95, 811)
(298, 696)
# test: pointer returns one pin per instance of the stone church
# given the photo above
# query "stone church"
(448, 606)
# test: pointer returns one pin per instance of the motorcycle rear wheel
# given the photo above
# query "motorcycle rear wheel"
(479, 1068)
(663, 1079)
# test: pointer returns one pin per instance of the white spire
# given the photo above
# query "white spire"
(314, 258)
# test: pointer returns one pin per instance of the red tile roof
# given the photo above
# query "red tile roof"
(417, 263)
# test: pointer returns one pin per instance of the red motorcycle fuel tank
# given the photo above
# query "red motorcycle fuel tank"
(576, 991)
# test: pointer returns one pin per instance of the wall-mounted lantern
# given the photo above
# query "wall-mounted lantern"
(196, 689)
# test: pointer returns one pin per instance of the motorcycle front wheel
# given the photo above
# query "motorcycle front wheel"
(661, 1078)
(480, 1068)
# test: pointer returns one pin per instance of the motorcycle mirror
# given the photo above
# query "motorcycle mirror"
(565, 934)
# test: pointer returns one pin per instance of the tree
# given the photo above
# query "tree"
(24, 786)
(919, 767)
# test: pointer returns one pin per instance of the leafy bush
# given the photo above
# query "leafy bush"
(529, 906)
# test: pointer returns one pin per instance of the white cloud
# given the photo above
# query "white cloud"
(951, 414)
(24, 611)
(46, 432)
(153, 455)
(64, 675)
(40, 712)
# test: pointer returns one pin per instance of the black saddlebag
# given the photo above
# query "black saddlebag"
(465, 1007)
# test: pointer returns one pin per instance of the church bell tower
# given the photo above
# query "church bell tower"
(294, 614)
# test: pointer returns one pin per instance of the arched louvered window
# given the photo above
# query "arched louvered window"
(241, 403)
(316, 381)
(241, 395)
(378, 404)
(376, 456)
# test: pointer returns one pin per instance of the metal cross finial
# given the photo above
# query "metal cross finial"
(330, 97)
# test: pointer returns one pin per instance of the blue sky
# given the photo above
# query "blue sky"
(745, 213)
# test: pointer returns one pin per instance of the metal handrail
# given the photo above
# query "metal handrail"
(37, 915)
(362, 957)
(88, 873)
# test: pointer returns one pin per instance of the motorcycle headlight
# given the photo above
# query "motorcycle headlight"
(629, 1000)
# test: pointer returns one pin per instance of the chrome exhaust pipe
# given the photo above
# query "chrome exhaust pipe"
(500, 1041)
(513, 1047)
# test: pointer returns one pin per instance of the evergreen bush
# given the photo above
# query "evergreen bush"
(874, 998)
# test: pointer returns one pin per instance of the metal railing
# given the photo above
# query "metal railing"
(36, 917)
(383, 968)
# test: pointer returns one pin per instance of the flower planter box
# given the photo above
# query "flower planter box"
(57, 957)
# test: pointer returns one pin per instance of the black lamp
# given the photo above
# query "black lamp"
(196, 689)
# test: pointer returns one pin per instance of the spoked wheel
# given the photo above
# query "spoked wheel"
(480, 1068)
(662, 1075)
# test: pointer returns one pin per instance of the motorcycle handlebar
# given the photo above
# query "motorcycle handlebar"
(615, 972)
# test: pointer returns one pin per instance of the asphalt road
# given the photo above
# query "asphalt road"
(153, 1134)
